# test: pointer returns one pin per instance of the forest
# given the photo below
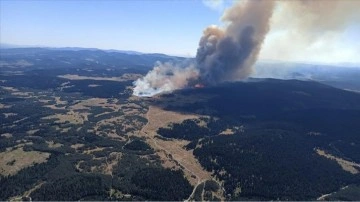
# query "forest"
(274, 157)
(76, 166)
(271, 153)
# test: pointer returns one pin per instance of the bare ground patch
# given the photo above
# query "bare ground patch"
(6, 135)
(32, 132)
(10, 89)
(9, 114)
(77, 146)
(52, 144)
(13, 160)
(59, 101)
(17, 92)
(93, 85)
(2, 106)
(348, 166)
(172, 153)
(123, 119)
(106, 168)
(124, 77)
(158, 118)
(232, 131)
(27, 193)
(111, 162)
(228, 131)
(71, 117)
(89, 151)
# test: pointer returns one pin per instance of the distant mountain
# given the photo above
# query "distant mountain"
(6, 46)
(11, 46)
(73, 57)
(96, 49)
(345, 77)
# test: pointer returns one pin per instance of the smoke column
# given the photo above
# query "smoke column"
(223, 54)
(228, 54)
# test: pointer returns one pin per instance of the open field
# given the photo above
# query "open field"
(15, 159)
(124, 77)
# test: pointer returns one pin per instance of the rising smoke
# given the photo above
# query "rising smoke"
(165, 77)
(223, 54)
(228, 54)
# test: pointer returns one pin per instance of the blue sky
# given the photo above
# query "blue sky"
(154, 26)
(172, 27)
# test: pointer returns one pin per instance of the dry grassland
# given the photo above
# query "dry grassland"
(173, 153)
(124, 77)
(15, 159)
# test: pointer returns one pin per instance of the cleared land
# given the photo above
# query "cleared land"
(348, 166)
(15, 159)
(124, 77)
(172, 152)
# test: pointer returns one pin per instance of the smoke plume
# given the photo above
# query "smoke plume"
(163, 78)
(228, 54)
(223, 54)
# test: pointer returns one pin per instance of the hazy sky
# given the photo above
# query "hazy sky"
(172, 27)
(163, 26)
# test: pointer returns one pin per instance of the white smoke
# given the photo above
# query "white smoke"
(164, 77)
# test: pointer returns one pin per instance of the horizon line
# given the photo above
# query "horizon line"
(135, 52)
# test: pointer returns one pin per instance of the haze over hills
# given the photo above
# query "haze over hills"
(11, 46)
(131, 52)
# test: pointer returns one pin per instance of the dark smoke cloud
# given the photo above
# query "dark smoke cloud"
(227, 55)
